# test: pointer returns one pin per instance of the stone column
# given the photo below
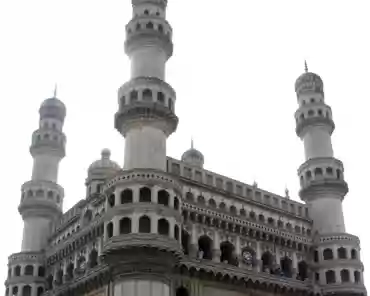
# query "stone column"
(193, 248)
(136, 194)
(294, 265)
(216, 247)
(258, 266)
(33, 290)
(154, 224)
(135, 223)
(155, 194)
(115, 222)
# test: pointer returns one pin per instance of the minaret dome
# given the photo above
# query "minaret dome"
(193, 157)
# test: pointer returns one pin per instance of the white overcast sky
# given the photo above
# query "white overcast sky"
(234, 67)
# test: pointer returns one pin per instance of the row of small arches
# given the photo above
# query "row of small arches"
(26, 291)
(46, 136)
(311, 113)
(41, 193)
(125, 227)
(147, 95)
(312, 101)
(320, 172)
(29, 270)
(145, 195)
(344, 276)
(48, 125)
(328, 254)
(148, 12)
(149, 25)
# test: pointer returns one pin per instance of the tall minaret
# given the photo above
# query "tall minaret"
(146, 115)
(336, 258)
(143, 207)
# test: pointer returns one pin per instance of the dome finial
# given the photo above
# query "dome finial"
(305, 66)
(105, 153)
(55, 91)
(192, 143)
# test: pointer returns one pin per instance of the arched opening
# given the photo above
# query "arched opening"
(126, 196)
(163, 227)
(311, 113)
(125, 225)
(160, 97)
(49, 282)
(93, 258)
(176, 203)
(222, 206)
(69, 270)
(41, 271)
(28, 270)
(353, 254)
(201, 200)
(329, 171)
(15, 291)
(302, 271)
(40, 290)
(110, 229)
(182, 291)
(146, 12)
(144, 224)
(26, 291)
(330, 277)
(205, 247)
(267, 261)
(344, 275)
(111, 200)
(185, 240)
(286, 266)
(227, 253)
(318, 171)
(243, 212)
(163, 197)
(87, 217)
(138, 26)
(145, 194)
(233, 210)
(308, 175)
(252, 215)
(149, 25)
(261, 218)
(134, 96)
(212, 203)
(147, 95)
(328, 254)
(342, 253)
(357, 275)
(39, 193)
(176, 232)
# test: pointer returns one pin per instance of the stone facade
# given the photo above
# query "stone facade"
(166, 227)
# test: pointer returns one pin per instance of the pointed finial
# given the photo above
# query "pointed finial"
(287, 192)
(305, 66)
(55, 91)
(192, 143)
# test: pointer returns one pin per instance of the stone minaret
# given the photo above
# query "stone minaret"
(143, 206)
(41, 200)
(336, 259)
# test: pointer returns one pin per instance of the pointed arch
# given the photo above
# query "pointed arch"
(127, 196)
(163, 197)
(125, 225)
(145, 194)
(144, 224)
(163, 227)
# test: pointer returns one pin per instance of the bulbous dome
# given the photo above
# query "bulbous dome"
(53, 108)
(309, 82)
(104, 165)
(193, 157)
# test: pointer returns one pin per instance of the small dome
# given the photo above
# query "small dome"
(309, 82)
(53, 108)
(104, 164)
(193, 157)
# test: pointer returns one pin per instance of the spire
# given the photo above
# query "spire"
(305, 66)
(55, 91)
(192, 143)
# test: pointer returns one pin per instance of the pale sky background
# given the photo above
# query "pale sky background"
(234, 67)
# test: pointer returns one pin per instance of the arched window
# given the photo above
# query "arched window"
(134, 96)
(288, 226)
(176, 232)
(297, 229)
(149, 25)
(163, 197)
(185, 240)
(344, 275)
(182, 292)
(147, 95)
(267, 261)
(302, 271)
(205, 247)
(176, 203)
(222, 206)
(330, 277)
(17, 270)
(227, 253)
(39, 193)
(145, 194)
(201, 200)
(160, 97)
(125, 225)
(111, 200)
(126, 196)
(163, 227)
(110, 229)
(144, 224)
(311, 113)
(212, 203)
(26, 290)
(308, 175)
(270, 221)
(342, 253)
(252, 215)
(41, 271)
(353, 254)
(286, 267)
(329, 171)
(328, 254)
(40, 290)
(138, 26)
(146, 12)
(318, 171)
(15, 291)
(93, 258)
(261, 218)
(233, 210)
(28, 270)
(357, 275)
(243, 212)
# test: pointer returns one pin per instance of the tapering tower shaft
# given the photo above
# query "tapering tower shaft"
(146, 103)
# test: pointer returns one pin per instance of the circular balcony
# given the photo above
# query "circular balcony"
(161, 3)
(149, 31)
(317, 114)
(322, 174)
(46, 141)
